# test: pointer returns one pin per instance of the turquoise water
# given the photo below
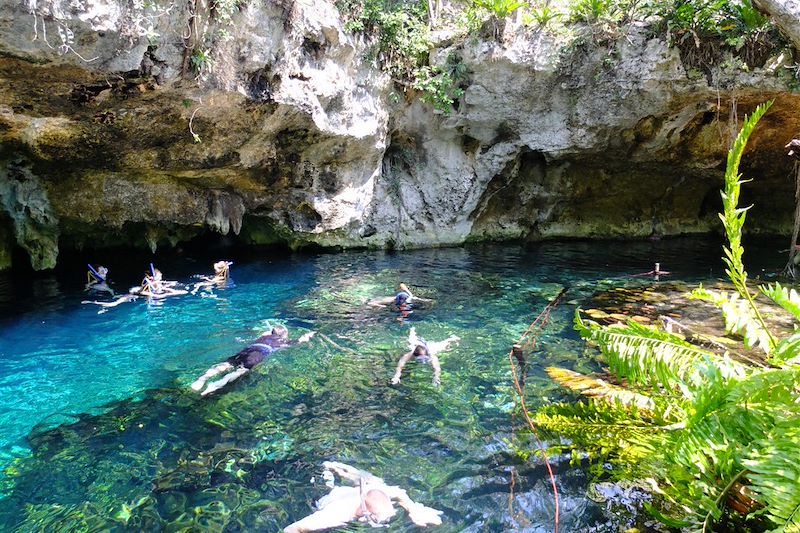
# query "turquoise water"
(101, 432)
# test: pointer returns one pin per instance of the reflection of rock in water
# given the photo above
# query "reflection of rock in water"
(669, 305)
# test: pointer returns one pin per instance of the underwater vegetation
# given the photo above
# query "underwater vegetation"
(250, 459)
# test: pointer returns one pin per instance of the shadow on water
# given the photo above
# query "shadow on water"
(161, 459)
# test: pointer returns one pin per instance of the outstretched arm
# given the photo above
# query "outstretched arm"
(400, 364)
(348, 472)
(306, 337)
(437, 370)
(325, 518)
(113, 303)
(380, 302)
(418, 513)
(440, 346)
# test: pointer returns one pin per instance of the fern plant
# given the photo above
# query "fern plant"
(712, 434)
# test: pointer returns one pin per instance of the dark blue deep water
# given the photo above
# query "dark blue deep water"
(100, 431)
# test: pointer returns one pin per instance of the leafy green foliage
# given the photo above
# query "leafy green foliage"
(651, 357)
(438, 88)
(541, 16)
(706, 31)
(728, 20)
(598, 388)
(785, 297)
(775, 473)
(739, 318)
(592, 10)
(400, 29)
(201, 61)
(716, 430)
(499, 8)
(733, 216)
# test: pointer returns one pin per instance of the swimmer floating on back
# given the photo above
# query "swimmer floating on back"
(220, 278)
(423, 352)
(370, 501)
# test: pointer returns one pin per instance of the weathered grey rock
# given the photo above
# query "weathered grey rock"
(300, 142)
(600, 142)
(25, 201)
(6, 244)
(786, 14)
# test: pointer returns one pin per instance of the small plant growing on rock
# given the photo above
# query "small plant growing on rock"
(402, 46)
(438, 88)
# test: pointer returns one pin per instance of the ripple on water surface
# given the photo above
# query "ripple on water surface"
(119, 443)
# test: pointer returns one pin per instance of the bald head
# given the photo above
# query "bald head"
(379, 505)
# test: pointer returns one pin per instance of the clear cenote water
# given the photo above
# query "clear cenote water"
(100, 431)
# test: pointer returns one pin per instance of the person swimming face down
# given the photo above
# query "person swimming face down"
(422, 354)
(376, 507)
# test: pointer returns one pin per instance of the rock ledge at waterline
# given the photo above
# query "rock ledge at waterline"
(303, 141)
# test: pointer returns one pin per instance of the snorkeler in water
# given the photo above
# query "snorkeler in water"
(370, 501)
(423, 352)
(97, 279)
(154, 285)
(402, 300)
(240, 364)
(220, 278)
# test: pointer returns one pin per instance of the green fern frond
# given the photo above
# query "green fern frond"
(774, 389)
(697, 469)
(788, 350)
(733, 216)
(785, 297)
(604, 429)
(653, 358)
(599, 389)
(740, 318)
(774, 465)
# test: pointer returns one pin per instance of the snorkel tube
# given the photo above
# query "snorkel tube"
(95, 274)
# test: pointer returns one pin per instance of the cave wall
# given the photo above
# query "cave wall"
(286, 134)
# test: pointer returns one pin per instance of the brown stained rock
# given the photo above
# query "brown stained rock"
(697, 321)
(301, 138)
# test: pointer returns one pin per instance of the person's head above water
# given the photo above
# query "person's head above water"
(221, 267)
(404, 288)
(421, 351)
(103, 271)
(280, 331)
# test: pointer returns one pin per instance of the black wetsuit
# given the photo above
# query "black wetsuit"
(258, 351)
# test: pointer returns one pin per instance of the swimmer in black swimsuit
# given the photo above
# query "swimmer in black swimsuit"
(423, 352)
(238, 365)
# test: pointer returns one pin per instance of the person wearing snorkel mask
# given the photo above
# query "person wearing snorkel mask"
(423, 352)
